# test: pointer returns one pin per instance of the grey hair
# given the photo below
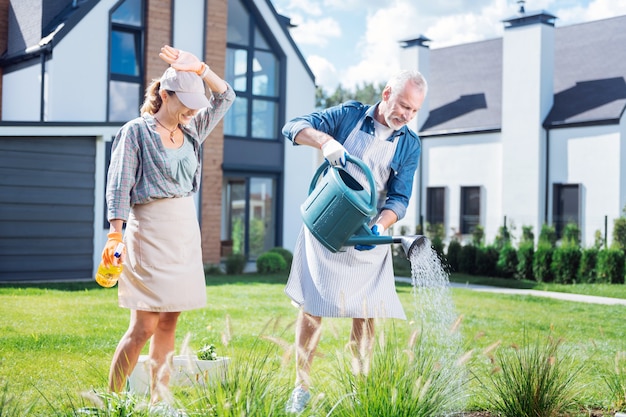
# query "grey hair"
(399, 80)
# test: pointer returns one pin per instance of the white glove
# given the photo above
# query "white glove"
(335, 153)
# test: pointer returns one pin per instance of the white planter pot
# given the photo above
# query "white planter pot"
(186, 370)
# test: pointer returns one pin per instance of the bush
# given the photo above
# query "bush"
(525, 254)
(571, 234)
(454, 255)
(587, 269)
(235, 263)
(270, 262)
(285, 253)
(619, 233)
(542, 262)
(547, 235)
(478, 235)
(507, 261)
(611, 266)
(467, 259)
(534, 380)
(435, 234)
(565, 263)
(212, 269)
(486, 261)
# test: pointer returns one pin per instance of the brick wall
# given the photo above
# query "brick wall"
(211, 205)
(4, 34)
(158, 33)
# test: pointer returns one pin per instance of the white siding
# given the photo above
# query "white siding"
(466, 161)
(300, 161)
(590, 156)
(77, 90)
(21, 94)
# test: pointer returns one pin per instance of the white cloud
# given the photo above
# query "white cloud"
(316, 32)
(325, 72)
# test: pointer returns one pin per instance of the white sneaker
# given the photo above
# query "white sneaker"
(298, 400)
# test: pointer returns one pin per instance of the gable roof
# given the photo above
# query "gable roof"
(39, 27)
(465, 81)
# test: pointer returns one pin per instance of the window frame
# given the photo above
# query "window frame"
(138, 33)
(466, 226)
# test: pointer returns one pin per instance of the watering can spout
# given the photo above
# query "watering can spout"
(412, 244)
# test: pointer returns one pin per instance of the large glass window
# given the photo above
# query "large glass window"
(125, 67)
(566, 206)
(470, 209)
(252, 69)
(435, 205)
(249, 210)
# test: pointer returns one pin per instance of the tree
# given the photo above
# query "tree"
(367, 93)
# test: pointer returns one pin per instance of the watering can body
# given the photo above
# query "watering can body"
(338, 210)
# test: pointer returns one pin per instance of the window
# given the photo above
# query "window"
(249, 205)
(435, 205)
(125, 67)
(470, 209)
(566, 206)
(253, 70)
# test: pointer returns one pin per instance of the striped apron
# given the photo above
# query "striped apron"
(357, 284)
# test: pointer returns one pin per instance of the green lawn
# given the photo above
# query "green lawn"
(56, 340)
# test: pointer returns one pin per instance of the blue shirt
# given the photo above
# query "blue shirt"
(339, 121)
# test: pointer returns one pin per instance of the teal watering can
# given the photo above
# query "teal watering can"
(338, 210)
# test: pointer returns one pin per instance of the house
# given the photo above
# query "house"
(73, 71)
(525, 130)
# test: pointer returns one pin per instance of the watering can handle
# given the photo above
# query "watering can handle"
(366, 170)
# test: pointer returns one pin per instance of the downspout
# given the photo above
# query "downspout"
(547, 184)
(42, 84)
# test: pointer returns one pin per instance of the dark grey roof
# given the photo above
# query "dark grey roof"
(465, 81)
(40, 23)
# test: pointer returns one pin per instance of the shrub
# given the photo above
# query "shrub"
(212, 269)
(548, 235)
(619, 233)
(454, 255)
(467, 259)
(486, 261)
(525, 254)
(270, 262)
(478, 235)
(507, 261)
(571, 234)
(503, 238)
(533, 380)
(611, 266)
(436, 235)
(587, 269)
(565, 263)
(285, 253)
(235, 263)
(542, 262)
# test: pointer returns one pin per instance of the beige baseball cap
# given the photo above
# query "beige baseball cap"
(188, 86)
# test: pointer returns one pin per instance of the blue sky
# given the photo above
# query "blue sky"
(356, 41)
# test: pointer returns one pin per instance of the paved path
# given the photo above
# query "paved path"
(557, 295)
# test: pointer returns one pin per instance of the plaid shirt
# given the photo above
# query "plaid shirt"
(140, 172)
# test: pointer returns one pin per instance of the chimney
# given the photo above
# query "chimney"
(415, 54)
(527, 97)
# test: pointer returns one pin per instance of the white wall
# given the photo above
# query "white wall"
(460, 161)
(77, 90)
(527, 96)
(590, 156)
(21, 94)
(300, 161)
(188, 31)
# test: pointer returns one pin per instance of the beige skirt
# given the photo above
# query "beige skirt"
(163, 269)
